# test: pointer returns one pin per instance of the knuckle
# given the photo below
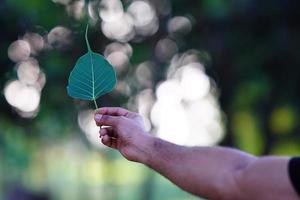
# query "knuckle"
(104, 118)
(122, 119)
(98, 123)
(118, 120)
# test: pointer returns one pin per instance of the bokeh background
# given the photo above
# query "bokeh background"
(209, 72)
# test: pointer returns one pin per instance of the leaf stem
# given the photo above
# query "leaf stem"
(95, 102)
(89, 49)
(86, 38)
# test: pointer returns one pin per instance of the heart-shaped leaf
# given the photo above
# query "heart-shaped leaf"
(91, 77)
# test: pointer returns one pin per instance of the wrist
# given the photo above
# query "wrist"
(145, 146)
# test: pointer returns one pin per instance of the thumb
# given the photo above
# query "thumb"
(107, 120)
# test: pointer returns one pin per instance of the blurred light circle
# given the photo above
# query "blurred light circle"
(10, 92)
(31, 99)
(121, 30)
(144, 18)
(141, 12)
(24, 98)
(190, 57)
(119, 60)
(111, 10)
(169, 91)
(59, 37)
(205, 114)
(165, 49)
(31, 114)
(123, 88)
(187, 123)
(116, 46)
(186, 111)
(194, 83)
(149, 29)
(76, 9)
(93, 10)
(208, 107)
(143, 74)
(35, 40)
(19, 50)
(179, 25)
(41, 81)
(28, 71)
(171, 122)
(145, 101)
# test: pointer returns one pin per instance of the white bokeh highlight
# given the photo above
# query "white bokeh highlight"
(186, 111)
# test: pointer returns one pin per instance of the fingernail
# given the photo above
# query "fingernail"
(98, 117)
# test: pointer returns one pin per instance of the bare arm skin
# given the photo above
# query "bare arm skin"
(210, 172)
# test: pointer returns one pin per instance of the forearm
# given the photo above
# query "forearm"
(203, 171)
(211, 172)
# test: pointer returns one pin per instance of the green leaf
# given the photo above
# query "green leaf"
(91, 77)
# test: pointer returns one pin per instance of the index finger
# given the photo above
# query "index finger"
(114, 111)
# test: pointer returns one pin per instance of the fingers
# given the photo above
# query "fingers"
(108, 135)
(108, 141)
(103, 132)
(106, 120)
(108, 138)
(114, 111)
(108, 131)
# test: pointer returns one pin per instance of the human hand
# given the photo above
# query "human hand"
(125, 132)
